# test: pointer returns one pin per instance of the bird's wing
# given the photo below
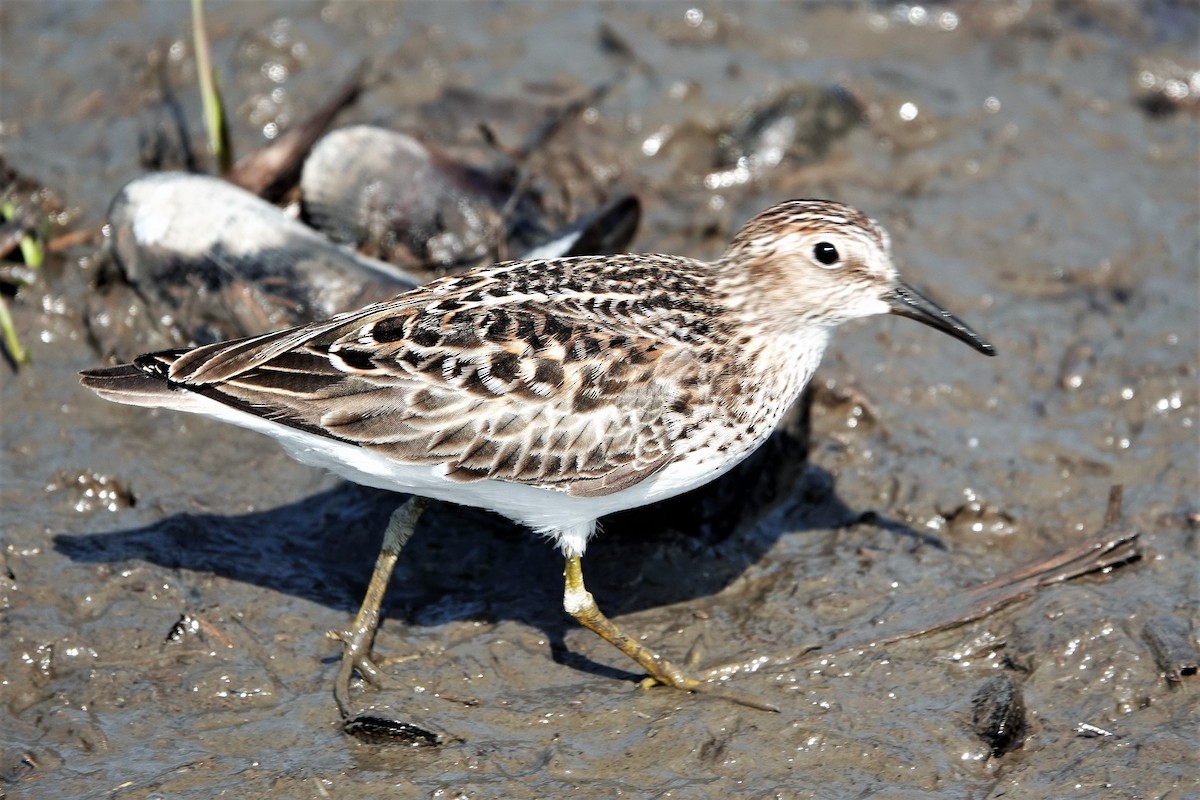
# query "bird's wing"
(523, 387)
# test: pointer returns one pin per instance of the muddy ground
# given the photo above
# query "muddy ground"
(166, 582)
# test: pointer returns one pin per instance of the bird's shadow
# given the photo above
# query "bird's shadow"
(464, 563)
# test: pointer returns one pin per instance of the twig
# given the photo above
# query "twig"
(1111, 548)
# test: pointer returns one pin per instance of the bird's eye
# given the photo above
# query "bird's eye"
(825, 253)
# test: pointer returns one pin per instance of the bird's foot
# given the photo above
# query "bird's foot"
(580, 604)
(707, 683)
(356, 658)
(371, 725)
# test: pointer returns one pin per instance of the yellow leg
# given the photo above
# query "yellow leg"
(358, 639)
(580, 604)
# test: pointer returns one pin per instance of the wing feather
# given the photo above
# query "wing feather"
(491, 378)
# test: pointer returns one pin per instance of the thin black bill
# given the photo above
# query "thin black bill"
(908, 302)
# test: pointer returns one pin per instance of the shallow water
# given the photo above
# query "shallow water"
(166, 582)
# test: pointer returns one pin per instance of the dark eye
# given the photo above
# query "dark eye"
(826, 253)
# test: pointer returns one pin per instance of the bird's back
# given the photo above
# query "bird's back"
(584, 375)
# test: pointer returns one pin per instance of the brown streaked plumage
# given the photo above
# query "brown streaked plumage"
(553, 374)
(554, 391)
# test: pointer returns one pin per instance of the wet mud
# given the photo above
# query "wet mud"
(166, 582)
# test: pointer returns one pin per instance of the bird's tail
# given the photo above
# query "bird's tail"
(131, 385)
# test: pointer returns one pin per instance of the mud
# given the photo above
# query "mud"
(166, 582)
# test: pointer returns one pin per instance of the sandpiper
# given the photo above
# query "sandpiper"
(551, 391)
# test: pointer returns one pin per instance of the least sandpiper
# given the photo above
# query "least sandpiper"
(551, 391)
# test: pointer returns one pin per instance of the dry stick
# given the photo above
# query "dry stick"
(273, 169)
(88, 235)
(540, 136)
(1113, 547)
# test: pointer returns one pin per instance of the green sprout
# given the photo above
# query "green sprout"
(215, 122)
(32, 254)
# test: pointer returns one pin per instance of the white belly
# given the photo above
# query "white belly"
(568, 519)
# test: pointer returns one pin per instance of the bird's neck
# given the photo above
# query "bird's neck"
(787, 359)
